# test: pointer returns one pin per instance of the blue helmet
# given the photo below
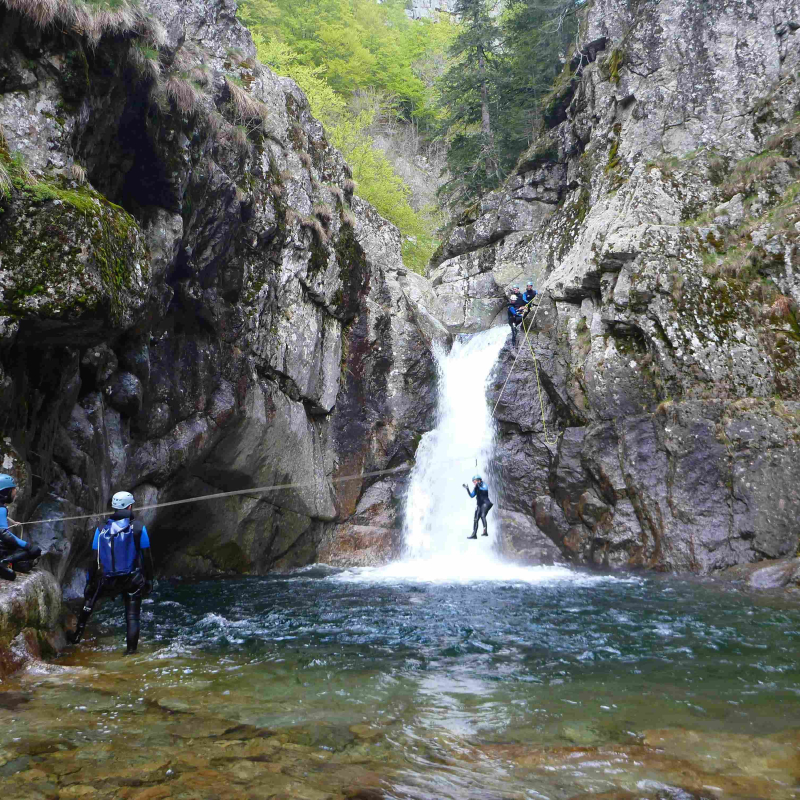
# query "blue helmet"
(7, 482)
(477, 478)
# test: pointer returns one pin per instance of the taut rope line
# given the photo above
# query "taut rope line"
(237, 492)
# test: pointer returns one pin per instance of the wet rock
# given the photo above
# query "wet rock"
(30, 608)
(99, 364)
(124, 393)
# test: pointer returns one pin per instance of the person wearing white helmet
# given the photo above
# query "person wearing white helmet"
(16, 555)
(481, 493)
(515, 316)
(123, 565)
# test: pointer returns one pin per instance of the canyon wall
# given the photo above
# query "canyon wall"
(192, 298)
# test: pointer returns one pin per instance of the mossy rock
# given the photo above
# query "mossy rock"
(68, 254)
(225, 556)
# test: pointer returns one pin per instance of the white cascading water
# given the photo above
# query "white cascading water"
(439, 515)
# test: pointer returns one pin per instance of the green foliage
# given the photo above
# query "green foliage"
(361, 44)
(373, 173)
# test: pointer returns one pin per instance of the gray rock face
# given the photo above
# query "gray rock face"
(657, 211)
(210, 311)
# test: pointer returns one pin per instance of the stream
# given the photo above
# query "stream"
(334, 684)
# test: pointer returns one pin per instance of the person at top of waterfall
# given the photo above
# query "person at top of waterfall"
(516, 292)
(480, 491)
(16, 555)
(529, 294)
(123, 566)
(515, 317)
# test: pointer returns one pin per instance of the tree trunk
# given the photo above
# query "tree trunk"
(486, 120)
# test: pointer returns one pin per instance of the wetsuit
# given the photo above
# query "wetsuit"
(18, 554)
(132, 586)
(528, 297)
(484, 505)
(514, 320)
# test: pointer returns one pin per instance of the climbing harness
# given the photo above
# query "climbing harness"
(548, 441)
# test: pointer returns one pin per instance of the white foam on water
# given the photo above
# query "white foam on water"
(441, 571)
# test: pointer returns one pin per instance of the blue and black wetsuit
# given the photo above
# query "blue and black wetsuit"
(18, 554)
(514, 320)
(528, 297)
(133, 586)
(484, 505)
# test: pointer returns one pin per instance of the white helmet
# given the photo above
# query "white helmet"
(513, 298)
(122, 500)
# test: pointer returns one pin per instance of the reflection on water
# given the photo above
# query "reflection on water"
(331, 685)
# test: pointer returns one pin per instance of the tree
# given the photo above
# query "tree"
(503, 66)
(469, 92)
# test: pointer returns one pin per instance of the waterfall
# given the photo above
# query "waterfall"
(439, 514)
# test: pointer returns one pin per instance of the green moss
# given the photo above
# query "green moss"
(55, 236)
(613, 153)
(225, 556)
(613, 64)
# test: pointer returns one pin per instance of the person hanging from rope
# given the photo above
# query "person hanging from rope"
(481, 492)
(123, 566)
(16, 555)
(515, 317)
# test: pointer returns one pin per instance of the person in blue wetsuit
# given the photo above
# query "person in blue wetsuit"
(123, 565)
(481, 492)
(515, 317)
(529, 294)
(16, 555)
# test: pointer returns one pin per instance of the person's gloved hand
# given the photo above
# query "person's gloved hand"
(465, 486)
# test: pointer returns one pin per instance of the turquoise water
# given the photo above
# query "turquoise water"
(327, 684)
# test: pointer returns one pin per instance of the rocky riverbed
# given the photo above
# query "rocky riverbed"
(330, 685)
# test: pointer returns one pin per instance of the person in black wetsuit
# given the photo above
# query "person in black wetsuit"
(123, 566)
(16, 555)
(515, 317)
(481, 492)
(529, 294)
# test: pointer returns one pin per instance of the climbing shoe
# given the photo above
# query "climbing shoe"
(25, 566)
(474, 536)
(72, 637)
(7, 573)
(484, 534)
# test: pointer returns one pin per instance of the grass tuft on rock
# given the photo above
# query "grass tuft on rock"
(92, 18)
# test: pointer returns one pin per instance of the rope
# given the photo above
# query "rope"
(238, 492)
(344, 479)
